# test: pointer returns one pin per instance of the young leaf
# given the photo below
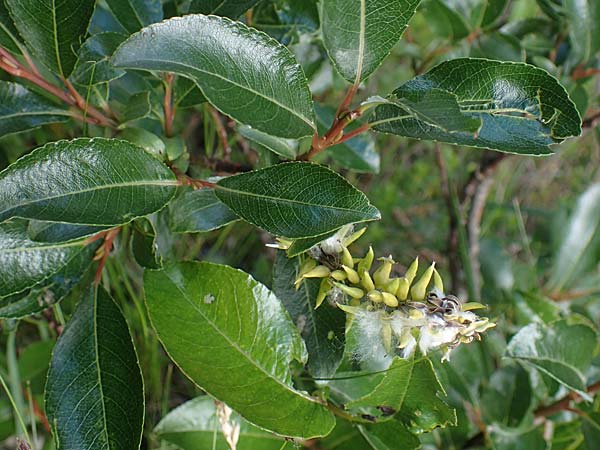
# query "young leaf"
(85, 181)
(193, 211)
(94, 392)
(229, 8)
(136, 14)
(389, 435)
(22, 109)
(359, 34)
(233, 338)
(295, 200)
(93, 65)
(53, 30)
(520, 108)
(25, 263)
(322, 329)
(242, 72)
(192, 425)
(563, 351)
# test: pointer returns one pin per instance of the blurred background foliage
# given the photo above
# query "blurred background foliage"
(518, 233)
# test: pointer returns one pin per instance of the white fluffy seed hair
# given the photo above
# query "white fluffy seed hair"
(370, 348)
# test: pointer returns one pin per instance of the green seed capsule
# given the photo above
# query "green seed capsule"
(367, 261)
(419, 289)
(403, 288)
(353, 292)
(375, 296)
(347, 258)
(352, 275)
(411, 272)
(323, 290)
(354, 236)
(382, 275)
(437, 281)
(317, 272)
(339, 275)
(392, 286)
(307, 266)
(367, 281)
(389, 299)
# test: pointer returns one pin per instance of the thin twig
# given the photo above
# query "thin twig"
(474, 228)
(565, 402)
(222, 133)
(168, 104)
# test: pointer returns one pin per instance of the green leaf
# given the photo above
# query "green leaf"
(562, 350)
(93, 64)
(230, 335)
(193, 211)
(287, 148)
(136, 14)
(136, 108)
(390, 435)
(446, 21)
(300, 246)
(578, 241)
(94, 392)
(42, 231)
(295, 200)
(493, 12)
(8, 33)
(359, 34)
(583, 17)
(152, 242)
(53, 30)
(33, 364)
(25, 263)
(521, 108)
(187, 93)
(242, 72)
(508, 397)
(228, 8)
(22, 109)
(523, 438)
(590, 425)
(322, 329)
(192, 426)
(408, 389)
(357, 154)
(85, 181)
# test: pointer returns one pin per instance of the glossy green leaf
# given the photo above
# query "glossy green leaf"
(192, 426)
(93, 65)
(408, 389)
(493, 12)
(359, 34)
(446, 21)
(137, 107)
(53, 30)
(583, 17)
(187, 93)
(242, 72)
(8, 33)
(41, 231)
(590, 425)
(508, 397)
(521, 108)
(193, 211)
(152, 242)
(357, 154)
(229, 8)
(391, 435)
(562, 350)
(287, 148)
(578, 240)
(295, 200)
(94, 392)
(233, 338)
(22, 109)
(136, 14)
(85, 181)
(25, 263)
(302, 245)
(322, 329)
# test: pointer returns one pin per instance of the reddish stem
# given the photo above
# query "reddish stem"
(222, 132)
(169, 108)
(103, 251)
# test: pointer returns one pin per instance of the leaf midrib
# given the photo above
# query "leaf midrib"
(93, 189)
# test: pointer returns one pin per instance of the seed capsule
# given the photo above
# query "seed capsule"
(437, 281)
(354, 236)
(392, 286)
(323, 290)
(367, 261)
(367, 281)
(411, 272)
(353, 292)
(347, 258)
(375, 296)
(382, 275)
(419, 289)
(389, 299)
(317, 272)
(352, 275)
(307, 266)
(339, 275)
(403, 288)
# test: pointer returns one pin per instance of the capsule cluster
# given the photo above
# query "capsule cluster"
(403, 312)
